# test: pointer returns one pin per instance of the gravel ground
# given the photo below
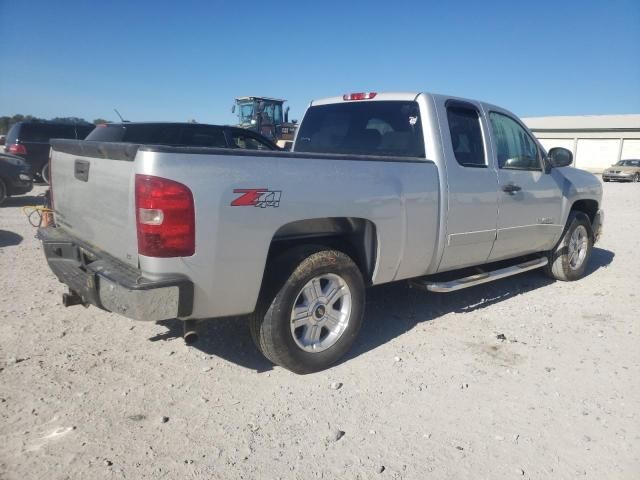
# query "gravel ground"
(429, 391)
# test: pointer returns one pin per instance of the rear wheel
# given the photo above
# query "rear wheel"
(605, 179)
(568, 261)
(3, 191)
(636, 178)
(314, 311)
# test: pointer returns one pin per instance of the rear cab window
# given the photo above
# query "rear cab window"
(383, 128)
(466, 134)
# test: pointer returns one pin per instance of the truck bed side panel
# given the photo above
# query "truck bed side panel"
(232, 242)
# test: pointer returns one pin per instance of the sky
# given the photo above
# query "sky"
(183, 60)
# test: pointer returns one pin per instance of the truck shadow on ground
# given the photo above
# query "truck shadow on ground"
(391, 310)
(9, 239)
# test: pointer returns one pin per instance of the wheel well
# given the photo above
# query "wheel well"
(589, 207)
(355, 237)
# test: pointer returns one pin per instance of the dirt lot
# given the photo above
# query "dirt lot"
(429, 391)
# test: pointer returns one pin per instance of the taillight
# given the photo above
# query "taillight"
(359, 96)
(17, 149)
(165, 218)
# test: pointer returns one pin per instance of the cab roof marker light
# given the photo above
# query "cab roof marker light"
(359, 96)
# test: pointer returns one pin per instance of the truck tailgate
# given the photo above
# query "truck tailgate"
(93, 194)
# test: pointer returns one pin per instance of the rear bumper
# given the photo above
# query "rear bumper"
(112, 285)
(598, 222)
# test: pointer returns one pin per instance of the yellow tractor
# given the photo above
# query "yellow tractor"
(266, 116)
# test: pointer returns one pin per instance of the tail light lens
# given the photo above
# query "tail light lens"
(165, 218)
(17, 149)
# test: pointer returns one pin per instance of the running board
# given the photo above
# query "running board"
(479, 278)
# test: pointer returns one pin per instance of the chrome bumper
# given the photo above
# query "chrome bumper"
(109, 284)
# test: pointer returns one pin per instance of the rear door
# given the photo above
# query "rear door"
(472, 180)
(529, 199)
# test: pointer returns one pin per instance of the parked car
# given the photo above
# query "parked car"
(623, 171)
(30, 140)
(445, 192)
(180, 134)
(15, 176)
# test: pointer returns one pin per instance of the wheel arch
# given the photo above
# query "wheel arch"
(356, 237)
(587, 206)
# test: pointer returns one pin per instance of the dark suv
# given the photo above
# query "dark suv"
(180, 134)
(30, 140)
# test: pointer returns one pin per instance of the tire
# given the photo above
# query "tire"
(44, 173)
(605, 179)
(326, 289)
(3, 191)
(636, 178)
(569, 259)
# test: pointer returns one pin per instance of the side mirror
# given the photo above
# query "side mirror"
(559, 157)
(233, 109)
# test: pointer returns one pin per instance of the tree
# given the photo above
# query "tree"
(6, 121)
(98, 121)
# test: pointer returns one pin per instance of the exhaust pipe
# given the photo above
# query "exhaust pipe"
(72, 298)
(190, 333)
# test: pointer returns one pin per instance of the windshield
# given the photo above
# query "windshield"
(628, 163)
(245, 112)
(389, 128)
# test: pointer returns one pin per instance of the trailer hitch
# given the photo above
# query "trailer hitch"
(72, 298)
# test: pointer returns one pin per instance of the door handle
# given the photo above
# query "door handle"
(510, 188)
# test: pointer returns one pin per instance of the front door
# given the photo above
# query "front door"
(529, 199)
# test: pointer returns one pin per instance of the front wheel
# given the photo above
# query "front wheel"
(636, 178)
(314, 315)
(568, 260)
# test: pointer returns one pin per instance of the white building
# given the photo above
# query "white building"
(597, 141)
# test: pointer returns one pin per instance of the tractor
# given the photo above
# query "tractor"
(266, 116)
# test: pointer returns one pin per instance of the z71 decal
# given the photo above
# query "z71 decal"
(257, 197)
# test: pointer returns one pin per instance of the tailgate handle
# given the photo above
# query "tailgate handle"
(81, 170)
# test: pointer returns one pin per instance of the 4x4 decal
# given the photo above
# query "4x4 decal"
(257, 197)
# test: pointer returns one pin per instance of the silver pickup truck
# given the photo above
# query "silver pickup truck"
(380, 187)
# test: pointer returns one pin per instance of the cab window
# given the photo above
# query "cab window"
(466, 135)
(515, 148)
